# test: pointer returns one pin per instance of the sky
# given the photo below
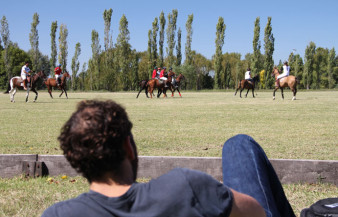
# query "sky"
(295, 23)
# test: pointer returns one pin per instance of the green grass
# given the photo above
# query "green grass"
(195, 125)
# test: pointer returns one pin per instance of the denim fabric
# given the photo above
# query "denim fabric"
(247, 169)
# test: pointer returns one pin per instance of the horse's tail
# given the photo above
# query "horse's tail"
(8, 88)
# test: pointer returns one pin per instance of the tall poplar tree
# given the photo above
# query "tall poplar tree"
(330, 67)
(75, 63)
(124, 51)
(154, 41)
(161, 41)
(53, 54)
(269, 43)
(95, 77)
(219, 42)
(171, 29)
(150, 56)
(188, 53)
(178, 48)
(308, 67)
(6, 42)
(255, 64)
(34, 41)
(63, 47)
(107, 23)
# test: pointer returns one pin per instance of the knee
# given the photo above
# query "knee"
(240, 143)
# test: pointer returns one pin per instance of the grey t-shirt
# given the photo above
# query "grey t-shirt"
(181, 192)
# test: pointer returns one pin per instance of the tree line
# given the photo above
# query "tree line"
(117, 66)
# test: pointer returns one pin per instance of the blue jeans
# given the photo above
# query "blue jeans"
(247, 169)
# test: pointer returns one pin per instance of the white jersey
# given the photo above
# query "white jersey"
(247, 75)
(286, 72)
(23, 70)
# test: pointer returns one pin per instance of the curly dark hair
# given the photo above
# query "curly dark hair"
(92, 139)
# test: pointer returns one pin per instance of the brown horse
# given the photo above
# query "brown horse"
(156, 83)
(16, 83)
(248, 85)
(289, 81)
(175, 83)
(51, 82)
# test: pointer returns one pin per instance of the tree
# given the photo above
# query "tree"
(269, 42)
(330, 67)
(63, 46)
(34, 41)
(171, 29)
(161, 41)
(94, 67)
(255, 65)
(124, 51)
(53, 55)
(154, 42)
(220, 34)
(188, 26)
(178, 48)
(150, 56)
(75, 63)
(107, 22)
(308, 68)
(6, 42)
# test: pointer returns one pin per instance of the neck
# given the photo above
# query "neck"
(117, 184)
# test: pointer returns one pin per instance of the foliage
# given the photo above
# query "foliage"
(75, 64)
(309, 62)
(53, 55)
(220, 34)
(256, 64)
(269, 43)
(161, 41)
(188, 52)
(172, 19)
(34, 41)
(6, 41)
(154, 42)
(107, 22)
(330, 66)
(178, 48)
(63, 46)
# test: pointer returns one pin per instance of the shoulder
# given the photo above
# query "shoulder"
(73, 207)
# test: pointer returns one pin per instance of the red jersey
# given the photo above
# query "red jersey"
(57, 71)
(162, 73)
(154, 74)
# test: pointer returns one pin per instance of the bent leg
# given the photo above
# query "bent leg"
(247, 169)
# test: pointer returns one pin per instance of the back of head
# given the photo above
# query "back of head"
(92, 139)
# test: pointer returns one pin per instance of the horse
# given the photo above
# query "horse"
(51, 82)
(143, 86)
(156, 83)
(248, 85)
(176, 85)
(17, 83)
(289, 81)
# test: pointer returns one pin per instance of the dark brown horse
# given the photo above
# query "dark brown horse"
(289, 81)
(175, 83)
(245, 84)
(143, 86)
(51, 82)
(16, 83)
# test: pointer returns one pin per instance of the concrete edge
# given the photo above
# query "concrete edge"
(288, 170)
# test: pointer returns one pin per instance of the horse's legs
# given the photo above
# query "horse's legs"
(253, 95)
(247, 93)
(36, 94)
(281, 89)
(294, 94)
(240, 93)
(236, 91)
(66, 93)
(178, 90)
(12, 93)
(61, 92)
(27, 94)
(50, 91)
(150, 90)
(139, 93)
(274, 91)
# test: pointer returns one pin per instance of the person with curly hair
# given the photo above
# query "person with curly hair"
(97, 141)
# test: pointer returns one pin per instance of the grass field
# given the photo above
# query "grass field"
(195, 125)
